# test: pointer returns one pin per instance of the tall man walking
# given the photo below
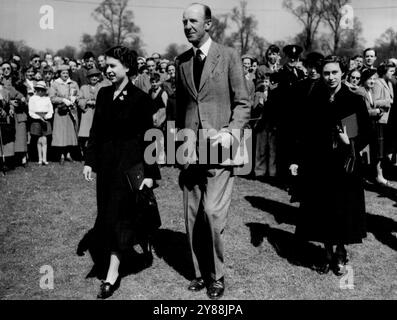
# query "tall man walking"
(212, 95)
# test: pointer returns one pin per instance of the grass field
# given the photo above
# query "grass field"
(46, 211)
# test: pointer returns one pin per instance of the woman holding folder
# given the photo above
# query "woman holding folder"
(334, 130)
(115, 151)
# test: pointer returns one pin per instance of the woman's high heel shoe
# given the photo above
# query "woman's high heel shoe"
(106, 289)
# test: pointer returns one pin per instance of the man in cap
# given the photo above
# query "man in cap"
(287, 76)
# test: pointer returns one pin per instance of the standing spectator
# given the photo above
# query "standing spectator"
(41, 111)
(377, 148)
(264, 108)
(163, 70)
(102, 63)
(141, 62)
(7, 128)
(369, 58)
(19, 108)
(156, 58)
(73, 65)
(383, 95)
(170, 88)
(48, 59)
(86, 103)
(48, 76)
(359, 61)
(212, 95)
(35, 62)
(247, 63)
(160, 99)
(151, 65)
(63, 94)
(332, 199)
(80, 75)
(353, 79)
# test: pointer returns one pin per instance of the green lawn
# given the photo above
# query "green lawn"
(46, 211)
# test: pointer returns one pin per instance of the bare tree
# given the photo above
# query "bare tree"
(218, 28)
(310, 14)
(117, 21)
(352, 41)
(246, 28)
(333, 16)
(386, 45)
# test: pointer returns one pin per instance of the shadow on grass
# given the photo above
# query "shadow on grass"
(380, 226)
(299, 253)
(169, 245)
(172, 246)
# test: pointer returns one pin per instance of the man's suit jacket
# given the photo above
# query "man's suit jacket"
(222, 100)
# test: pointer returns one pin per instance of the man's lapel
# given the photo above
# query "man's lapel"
(187, 68)
(210, 63)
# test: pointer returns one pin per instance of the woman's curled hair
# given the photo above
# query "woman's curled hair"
(127, 57)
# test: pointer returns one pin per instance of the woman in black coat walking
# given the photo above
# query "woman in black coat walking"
(123, 113)
(335, 129)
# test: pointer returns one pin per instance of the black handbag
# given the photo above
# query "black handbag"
(135, 176)
(63, 110)
(147, 207)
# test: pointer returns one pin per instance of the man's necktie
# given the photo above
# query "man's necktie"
(197, 68)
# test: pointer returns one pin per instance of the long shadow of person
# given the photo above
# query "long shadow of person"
(387, 192)
(172, 246)
(299, 253)
(283, 213)
(383, 228)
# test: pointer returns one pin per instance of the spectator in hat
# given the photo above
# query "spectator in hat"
(151, 65)
(86, 103)
(141, 62)
(287, 76)
(163, 70)
(63, 94)
(353, 79)
(247, 64)
(80, 76)
(40, 112)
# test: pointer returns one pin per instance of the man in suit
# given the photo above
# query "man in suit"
(212, 101)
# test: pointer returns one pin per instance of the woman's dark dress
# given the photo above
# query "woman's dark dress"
(114, 146)
(332, 201)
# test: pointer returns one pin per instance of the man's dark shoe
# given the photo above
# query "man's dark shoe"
(196, 284)
(216, 289)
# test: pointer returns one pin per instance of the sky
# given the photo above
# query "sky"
(161, 20)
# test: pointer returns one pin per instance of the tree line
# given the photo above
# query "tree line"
(320, 20)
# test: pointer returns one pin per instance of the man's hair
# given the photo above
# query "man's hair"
(88, 55)
(206, 9)
(155, 77)
(48, 69)
(126, 56)
(149, 59)
(34, 56)
(357, 56)
(369, 49)
(272, 49)
(157, 54)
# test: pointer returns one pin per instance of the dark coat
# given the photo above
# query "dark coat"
(115, 145)
(332, 201)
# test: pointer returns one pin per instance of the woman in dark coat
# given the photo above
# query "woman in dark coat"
(123, 113)
(332, 196)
